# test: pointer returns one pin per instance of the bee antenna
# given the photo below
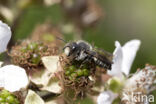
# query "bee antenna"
(61, 39)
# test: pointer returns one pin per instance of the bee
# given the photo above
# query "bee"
(83, 51)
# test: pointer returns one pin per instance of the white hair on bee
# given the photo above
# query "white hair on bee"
(67, 51)
(82, 41)
(81, 56)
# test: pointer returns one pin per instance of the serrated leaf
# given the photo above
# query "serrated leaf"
(41, 77)
(53, 86)
(49, 77)
(51, 63)
(33, 98)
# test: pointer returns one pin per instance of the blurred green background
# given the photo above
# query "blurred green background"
(126, 20)
(123, 20)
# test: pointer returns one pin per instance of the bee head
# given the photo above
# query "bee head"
(70, 48)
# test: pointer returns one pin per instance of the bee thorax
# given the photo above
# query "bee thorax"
(81, 56)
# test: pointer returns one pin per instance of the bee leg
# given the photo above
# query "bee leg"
(86, 60)
(83, 62)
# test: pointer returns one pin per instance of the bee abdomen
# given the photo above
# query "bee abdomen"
(102, 64)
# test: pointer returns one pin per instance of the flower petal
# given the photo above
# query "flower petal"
(1, 63)
(124, 57)
(5, 35)
(13, 78)
(117, 60)
(106, 97)
(129, 52)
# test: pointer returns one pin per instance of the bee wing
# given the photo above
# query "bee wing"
(102, 52)
(104, 58)
(101, 56)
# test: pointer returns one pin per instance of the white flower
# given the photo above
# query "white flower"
(13, 78)
(123, 59)
(5, 35)
(106, 97)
